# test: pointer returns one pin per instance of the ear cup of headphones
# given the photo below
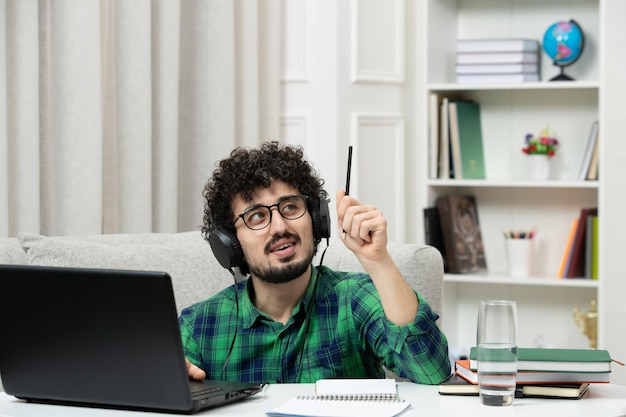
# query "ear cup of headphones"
(226, 248)
(320, 214)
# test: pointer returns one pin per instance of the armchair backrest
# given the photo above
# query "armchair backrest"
(421, 266)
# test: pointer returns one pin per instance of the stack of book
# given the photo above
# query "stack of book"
(550, 373)
(497, 60)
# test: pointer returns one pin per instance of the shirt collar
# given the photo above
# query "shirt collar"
(250, 315)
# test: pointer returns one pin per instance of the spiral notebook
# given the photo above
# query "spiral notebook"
(346, 398)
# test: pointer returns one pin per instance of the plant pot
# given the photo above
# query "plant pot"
(538, 167)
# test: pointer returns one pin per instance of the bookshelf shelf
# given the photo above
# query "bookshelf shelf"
(543, 85)
(501, 278)
(513, 184)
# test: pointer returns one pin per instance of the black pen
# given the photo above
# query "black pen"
(349, 169)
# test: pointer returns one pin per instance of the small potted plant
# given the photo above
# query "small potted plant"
(540, 149)
(544, 144)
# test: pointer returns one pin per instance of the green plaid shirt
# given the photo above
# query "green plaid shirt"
(338, 329)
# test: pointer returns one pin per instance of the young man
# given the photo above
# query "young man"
(291, 321)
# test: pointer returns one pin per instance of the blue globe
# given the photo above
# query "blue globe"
(563, 42)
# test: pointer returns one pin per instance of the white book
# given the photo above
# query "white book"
(589, 150)
(455, 142)
(498, 58)
(433, 131)
(497, 69)
(498, 45)
(496, 78)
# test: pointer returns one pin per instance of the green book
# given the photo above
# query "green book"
(557, 360)
(467, 130)
(594, 248)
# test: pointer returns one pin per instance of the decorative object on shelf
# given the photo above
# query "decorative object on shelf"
(564, 41)
(539, 150)
(460, 229)
(519, 246)
(587, 321)
(538, 167)
(546, 144)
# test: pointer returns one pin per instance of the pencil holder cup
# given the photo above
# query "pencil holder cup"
(519, 254)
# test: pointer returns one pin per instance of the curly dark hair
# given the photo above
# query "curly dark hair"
(247, 170)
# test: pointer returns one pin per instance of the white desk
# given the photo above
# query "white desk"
(600, 400)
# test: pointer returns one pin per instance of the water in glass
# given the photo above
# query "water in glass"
(497, 368)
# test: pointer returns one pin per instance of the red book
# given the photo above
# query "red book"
(462, 368)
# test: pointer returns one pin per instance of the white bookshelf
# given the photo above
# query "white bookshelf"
(506, 199)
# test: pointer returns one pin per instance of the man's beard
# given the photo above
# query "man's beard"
(283, 273)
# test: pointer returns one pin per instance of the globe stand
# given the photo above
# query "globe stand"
(562, 76)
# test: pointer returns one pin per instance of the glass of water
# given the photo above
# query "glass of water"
(496, 342)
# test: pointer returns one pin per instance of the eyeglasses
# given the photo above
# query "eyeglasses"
(258, 217)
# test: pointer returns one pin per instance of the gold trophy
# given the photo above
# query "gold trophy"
(587, 321)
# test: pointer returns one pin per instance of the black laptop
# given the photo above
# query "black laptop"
(100, 338)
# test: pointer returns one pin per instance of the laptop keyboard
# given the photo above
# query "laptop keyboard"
(198, 389)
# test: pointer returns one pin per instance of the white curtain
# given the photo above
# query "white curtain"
(114, 112)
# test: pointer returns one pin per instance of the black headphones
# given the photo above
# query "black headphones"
(227, 249)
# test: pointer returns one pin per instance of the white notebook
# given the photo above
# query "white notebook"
(346, 398)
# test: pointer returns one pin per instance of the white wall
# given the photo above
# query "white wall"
(346, 83)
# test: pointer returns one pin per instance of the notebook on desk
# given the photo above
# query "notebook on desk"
(95, 337)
